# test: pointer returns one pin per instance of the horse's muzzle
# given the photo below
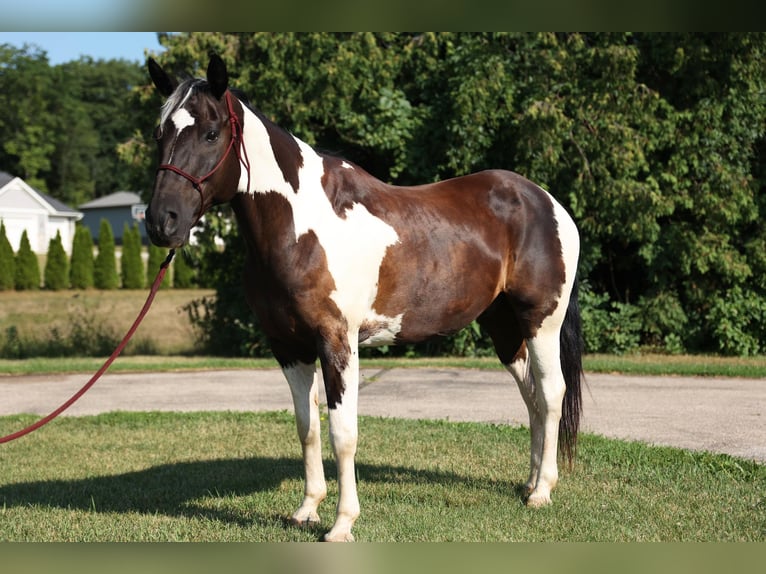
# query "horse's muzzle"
(165, 229)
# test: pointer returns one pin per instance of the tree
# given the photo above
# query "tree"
(131, 265)
(96, 112)
(7, 261)
(105, 267)
(156, 256)
(56, 274)
(183, 272)
(27, 267)
(82, 262)
(25, 122)
(655, 142)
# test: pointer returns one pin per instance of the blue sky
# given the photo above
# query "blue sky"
(66, 46)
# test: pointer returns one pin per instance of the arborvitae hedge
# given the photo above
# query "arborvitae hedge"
(7, 261)
(105, 268)
(27, 267)
(156, 256)
(183, 272)
(56, 276)
(82, 262)
(131, 265)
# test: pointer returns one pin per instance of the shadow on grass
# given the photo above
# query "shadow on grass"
(174, 489)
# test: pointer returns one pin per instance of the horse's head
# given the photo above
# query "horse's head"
(199, 140)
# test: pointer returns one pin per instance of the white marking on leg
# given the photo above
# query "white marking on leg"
(520, 369)
(549, 387)
(343, 437)
(544, 352)
(304, 386)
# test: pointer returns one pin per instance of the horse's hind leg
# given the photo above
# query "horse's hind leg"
(535, 365)
(304, 385)
(502, 325)
(549, 389)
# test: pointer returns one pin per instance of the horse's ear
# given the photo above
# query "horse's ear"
(217, 76)
(164, 83)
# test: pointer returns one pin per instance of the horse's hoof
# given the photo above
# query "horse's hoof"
(341, 537)
(538, 500)
(307, 522)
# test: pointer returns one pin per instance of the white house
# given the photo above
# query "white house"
(24, 208)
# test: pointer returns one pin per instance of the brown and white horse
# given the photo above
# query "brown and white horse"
(337, 259)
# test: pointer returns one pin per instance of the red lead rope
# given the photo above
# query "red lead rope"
(107, 363)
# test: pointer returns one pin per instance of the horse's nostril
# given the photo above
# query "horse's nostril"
(169, 222)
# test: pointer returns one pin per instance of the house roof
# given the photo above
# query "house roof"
(54, 204)
(116, 199)
(5, 178)
(57, 205)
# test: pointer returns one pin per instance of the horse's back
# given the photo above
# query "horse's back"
(460, 243)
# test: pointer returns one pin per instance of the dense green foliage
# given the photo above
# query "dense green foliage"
(654, 142)
(56, 273)
(131, 265)
(27, 272)
(156, 256)
(7, 261)
(82, 261)
(105, 267)
(62, 124)
(183, 272)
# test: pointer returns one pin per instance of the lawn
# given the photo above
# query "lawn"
(237, 476)
(165, 329)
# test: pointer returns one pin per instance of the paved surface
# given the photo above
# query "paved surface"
(725, 415)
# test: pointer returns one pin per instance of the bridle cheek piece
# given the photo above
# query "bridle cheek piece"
(236, 143)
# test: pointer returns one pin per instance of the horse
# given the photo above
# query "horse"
(337, 259)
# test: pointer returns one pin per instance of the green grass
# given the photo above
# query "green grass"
(237, 476)
(689, 365)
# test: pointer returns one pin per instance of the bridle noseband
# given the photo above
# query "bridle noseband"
(236, 142)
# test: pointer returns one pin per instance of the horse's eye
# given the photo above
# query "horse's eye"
(211, 136)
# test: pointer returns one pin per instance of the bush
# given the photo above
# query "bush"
(87, 336)
(738, 322)
(131, 265)
(609, 327)
(56, 276)
(105, 267)
(81, 264)
(27, 275)
(183, 272)
(156, 256)
(7, 261)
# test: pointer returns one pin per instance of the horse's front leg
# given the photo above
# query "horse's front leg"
(304, 386)
(340, 367)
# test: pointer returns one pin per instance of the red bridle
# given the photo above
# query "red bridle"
(236, 142)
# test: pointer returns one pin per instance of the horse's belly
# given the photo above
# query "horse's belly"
(379, 330)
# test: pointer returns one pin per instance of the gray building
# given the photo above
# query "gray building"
(118, 208)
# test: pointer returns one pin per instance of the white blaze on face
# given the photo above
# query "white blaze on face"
(354, 244)
(181, 119)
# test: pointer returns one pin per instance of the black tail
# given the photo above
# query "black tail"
(572, 347)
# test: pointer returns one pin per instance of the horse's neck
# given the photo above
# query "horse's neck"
(276, 157)
(281, 166)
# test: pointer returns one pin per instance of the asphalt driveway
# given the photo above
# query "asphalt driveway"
(723, 415)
